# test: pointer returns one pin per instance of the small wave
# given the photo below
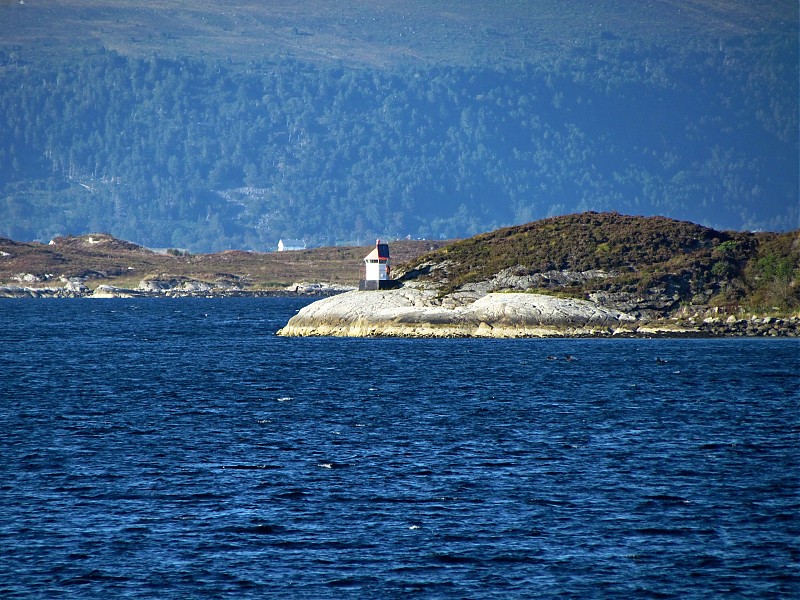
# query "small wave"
(709, 561)
(455, 559)
(251, 467)
(717, 445)
(93, 576)
(292, 495)
(678, 532)
(257, 529)
(667, 499)
(206, 496)
(512, 559)
(136, 529)
(548, 502)
(333, 465)
(351, 582)
(400, 500)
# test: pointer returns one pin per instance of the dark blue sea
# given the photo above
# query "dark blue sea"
(180, 449)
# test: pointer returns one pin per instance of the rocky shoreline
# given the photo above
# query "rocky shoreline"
(165, 288)
(417, 313)
(753, 326)
(409, 312)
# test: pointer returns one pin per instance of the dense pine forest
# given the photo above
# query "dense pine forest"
(207, 153)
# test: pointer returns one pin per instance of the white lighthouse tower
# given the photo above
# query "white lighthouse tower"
(377, 270)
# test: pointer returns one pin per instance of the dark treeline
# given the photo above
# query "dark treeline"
(208, 156)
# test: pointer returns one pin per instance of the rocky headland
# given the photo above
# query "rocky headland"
(410, 312)
(578, 275)
(165, 288)
(592, 275)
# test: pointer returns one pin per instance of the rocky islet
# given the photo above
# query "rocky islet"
(410, 312)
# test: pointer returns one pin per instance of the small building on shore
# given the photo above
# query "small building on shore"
(377, 273)
(285, 245)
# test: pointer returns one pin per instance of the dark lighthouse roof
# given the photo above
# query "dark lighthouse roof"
(381, 252)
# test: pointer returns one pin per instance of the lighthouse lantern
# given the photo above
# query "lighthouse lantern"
(377, 269)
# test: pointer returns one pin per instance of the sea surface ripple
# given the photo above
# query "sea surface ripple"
(178, 448)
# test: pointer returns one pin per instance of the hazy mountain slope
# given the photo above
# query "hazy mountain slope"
(210, 126)
(378, 32)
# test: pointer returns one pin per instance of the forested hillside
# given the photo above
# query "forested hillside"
(204, 152)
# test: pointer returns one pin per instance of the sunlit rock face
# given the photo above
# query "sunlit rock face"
(420, 313)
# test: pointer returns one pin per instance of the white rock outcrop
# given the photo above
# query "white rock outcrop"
(410, 312)
(110, 291)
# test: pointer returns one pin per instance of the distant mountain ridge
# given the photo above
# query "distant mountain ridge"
(379, 32)
(213, 126)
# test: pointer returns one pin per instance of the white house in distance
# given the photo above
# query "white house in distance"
(284, 245)
(377, 270)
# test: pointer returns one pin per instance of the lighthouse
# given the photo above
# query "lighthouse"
(377, 271)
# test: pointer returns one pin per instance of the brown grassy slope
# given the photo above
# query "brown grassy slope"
(759, 270)
(107, 260)
(578, 243)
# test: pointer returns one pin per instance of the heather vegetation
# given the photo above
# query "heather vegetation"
(184, 126)
(758, 271)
